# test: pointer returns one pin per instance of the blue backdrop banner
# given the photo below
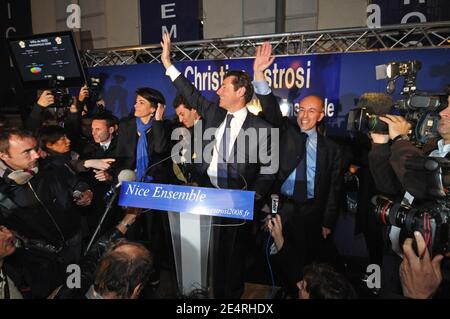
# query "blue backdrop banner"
(186, 199)
(339, 78)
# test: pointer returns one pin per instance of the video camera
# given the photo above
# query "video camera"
(427, 179)
(60, 95)
(419, 108)
(95, 87)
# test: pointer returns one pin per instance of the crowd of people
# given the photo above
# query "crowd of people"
(56, 170)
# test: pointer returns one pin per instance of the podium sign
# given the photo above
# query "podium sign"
(226, 203)
(190, 232)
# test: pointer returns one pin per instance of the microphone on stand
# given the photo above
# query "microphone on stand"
(125, 175)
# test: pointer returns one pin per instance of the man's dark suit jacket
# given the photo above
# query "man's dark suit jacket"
(244, 172)
(100, 188)
(95, 151)
(158, 141)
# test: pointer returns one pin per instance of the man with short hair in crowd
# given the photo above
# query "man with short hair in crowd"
(103, 146)
(40, 206)
(192, 134)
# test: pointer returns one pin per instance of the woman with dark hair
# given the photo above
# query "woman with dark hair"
(144, 138)
(144, 145)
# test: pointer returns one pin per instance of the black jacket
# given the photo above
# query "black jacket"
(88, 266)
(243, 172)
(42, 210)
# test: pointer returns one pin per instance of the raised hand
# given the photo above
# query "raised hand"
(84, 93)
(46, 99)
(159, 114)
(263, 60)
(166, 44)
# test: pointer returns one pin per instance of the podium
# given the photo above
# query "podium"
(191, 241)
(190, 211)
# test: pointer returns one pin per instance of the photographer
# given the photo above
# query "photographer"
(387, 162)
(46, 112)
(40, 204)
(90, 101)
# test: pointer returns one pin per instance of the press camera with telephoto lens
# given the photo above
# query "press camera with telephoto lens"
(430, 219)
(419, 108)
(427, 179)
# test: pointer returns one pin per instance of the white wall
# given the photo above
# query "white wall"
(104, 23)
(222, 19)
(115, 23)
(43, 16)
(257, 17)
(122, 23)
(335, 14)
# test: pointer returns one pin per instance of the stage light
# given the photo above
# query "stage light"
(286, 107)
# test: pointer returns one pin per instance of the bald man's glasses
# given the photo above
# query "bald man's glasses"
(309, 111)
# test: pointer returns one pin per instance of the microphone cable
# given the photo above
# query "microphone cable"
(272, 278)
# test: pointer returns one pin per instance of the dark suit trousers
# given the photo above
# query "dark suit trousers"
(230, 248)
(316, 248)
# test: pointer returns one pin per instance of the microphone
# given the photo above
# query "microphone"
(275, 202)
(126, 175)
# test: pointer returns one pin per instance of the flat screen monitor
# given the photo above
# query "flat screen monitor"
(40, 57)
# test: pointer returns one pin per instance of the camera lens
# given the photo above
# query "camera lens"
(395, 214)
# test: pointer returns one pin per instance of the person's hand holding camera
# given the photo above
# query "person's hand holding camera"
(166, 44)
(84, 94)
(398, 126)
(46, 99)
(420, 275)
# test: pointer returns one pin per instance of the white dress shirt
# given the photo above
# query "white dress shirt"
(105, 146)
(235, 127)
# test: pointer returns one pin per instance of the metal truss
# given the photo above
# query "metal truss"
(403, 36)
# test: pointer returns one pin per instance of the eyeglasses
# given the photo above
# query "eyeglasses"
(309, 111)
